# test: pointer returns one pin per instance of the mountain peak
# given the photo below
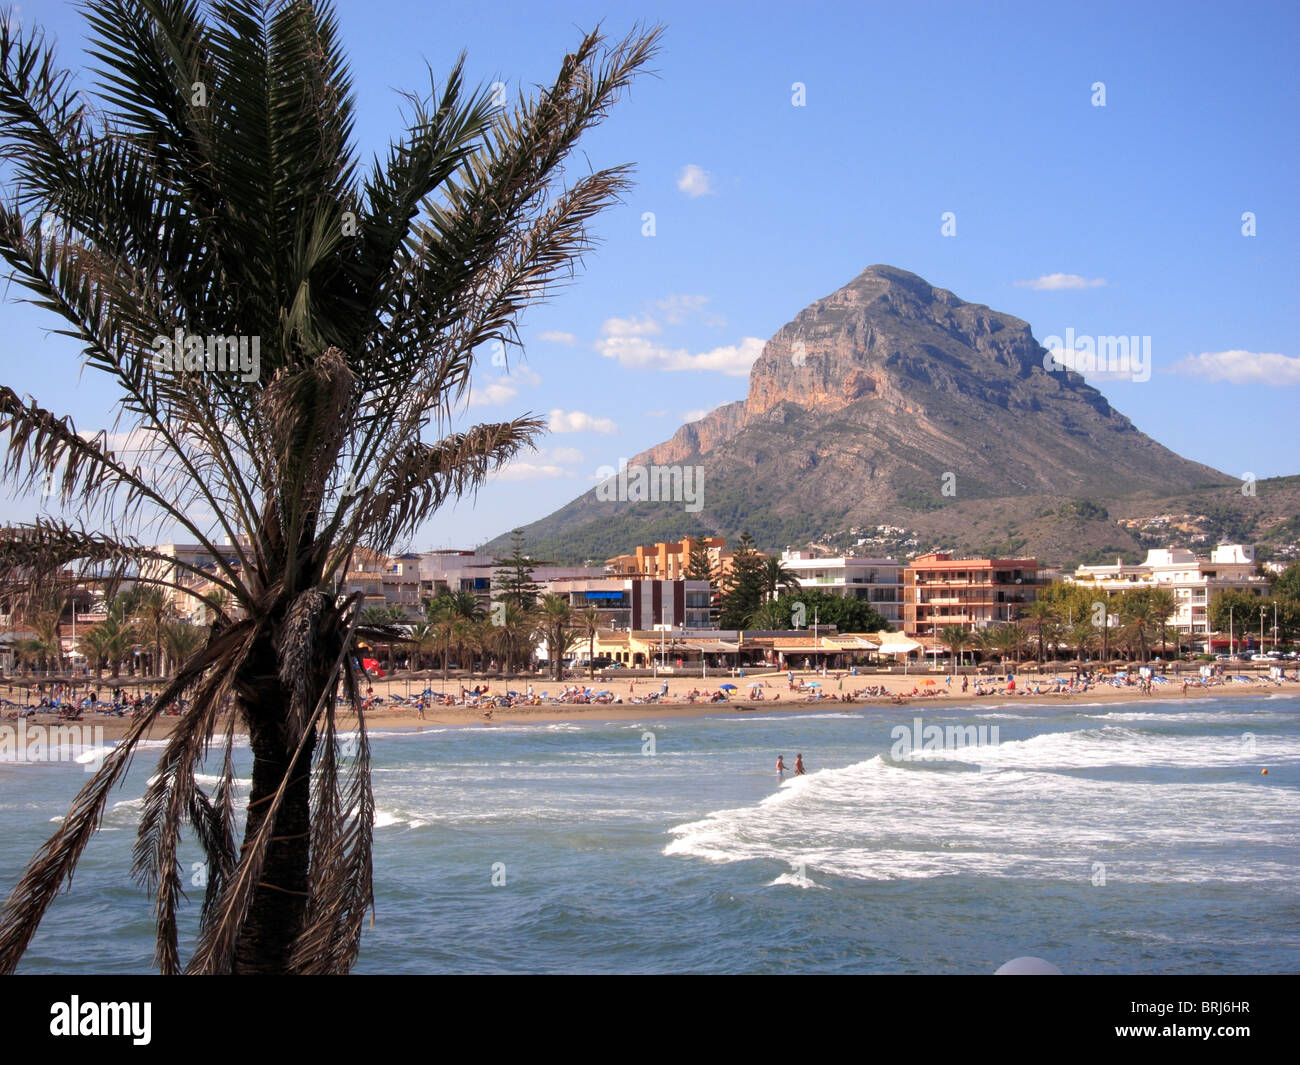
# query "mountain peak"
(893, 400)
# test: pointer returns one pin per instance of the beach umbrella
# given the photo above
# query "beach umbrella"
(727, 687)
(931, 682)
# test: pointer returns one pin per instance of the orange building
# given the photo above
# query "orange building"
(670, 561)
(940, 590)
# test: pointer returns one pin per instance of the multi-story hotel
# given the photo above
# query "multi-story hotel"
(1193, 581)
(670, 561)
(940, 590)
(878, 581)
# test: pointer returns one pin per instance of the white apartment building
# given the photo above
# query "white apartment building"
(637, 604)
(1193, 581)
(468, 571)
(878, 581)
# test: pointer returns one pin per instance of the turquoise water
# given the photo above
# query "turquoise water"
(1135, 837)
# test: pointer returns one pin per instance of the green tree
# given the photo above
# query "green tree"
(512, 576)
(182, 640)
(1236, 612)
(777, 579)
(1163, 607)
(846, 613)
(1138, 621)
(366, 295)
(150, 611)
(591, 621)
(699, 567)
(742, 587)
(1286, 585)
(957, 638)
(1040, 614)
(555, 622)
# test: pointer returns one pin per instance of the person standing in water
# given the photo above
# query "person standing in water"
(780, 767)
(798, 765)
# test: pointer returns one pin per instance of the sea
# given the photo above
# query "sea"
(1137, 837)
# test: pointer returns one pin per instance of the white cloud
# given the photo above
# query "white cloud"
(630, 327)
(695, 181)
(570, 455)
(678, 307)
(557, 336)
(734, 360)
(1242, 367)
(529, 471)
(498, 390)
(695, 415)
(576, 421)
(1058, 282)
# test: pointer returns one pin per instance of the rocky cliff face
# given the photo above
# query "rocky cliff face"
(892, 340)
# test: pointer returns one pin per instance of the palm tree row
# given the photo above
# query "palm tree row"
(456, 629)
(1071, 621)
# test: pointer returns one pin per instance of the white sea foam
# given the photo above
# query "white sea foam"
(795, 880)
(1033, 814)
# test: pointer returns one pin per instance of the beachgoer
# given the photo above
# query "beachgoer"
(965, 683)
(798, 765)
(780, 766)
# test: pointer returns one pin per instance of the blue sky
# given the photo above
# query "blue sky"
(1117, 220)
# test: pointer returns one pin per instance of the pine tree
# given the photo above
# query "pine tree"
(512, 578)
(742, 587)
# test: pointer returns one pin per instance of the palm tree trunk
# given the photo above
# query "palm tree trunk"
(279, 902)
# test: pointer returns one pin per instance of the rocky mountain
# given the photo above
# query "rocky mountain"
(894, 401)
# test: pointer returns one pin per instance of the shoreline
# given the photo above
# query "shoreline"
(676, 706)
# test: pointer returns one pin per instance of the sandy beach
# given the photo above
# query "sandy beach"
(777, 698)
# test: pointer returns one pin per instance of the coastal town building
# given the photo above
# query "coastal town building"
(626, 603)
(468, 571)
(670, 561)
(1194, 581)
(940, 590)
(878, 581)
(188, 592)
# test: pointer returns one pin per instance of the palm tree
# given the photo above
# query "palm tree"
(957, 639)
(1163, 607)
(212, 193)
(45, 624)
(770, 615)
(424, 637)
(777, 579)
(93, 644)
(555, 621)
(441, 625)
(181, 640)
(150, 609)
(1139, 619)
(1040, 613)
(590, 621)
(509, 633)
